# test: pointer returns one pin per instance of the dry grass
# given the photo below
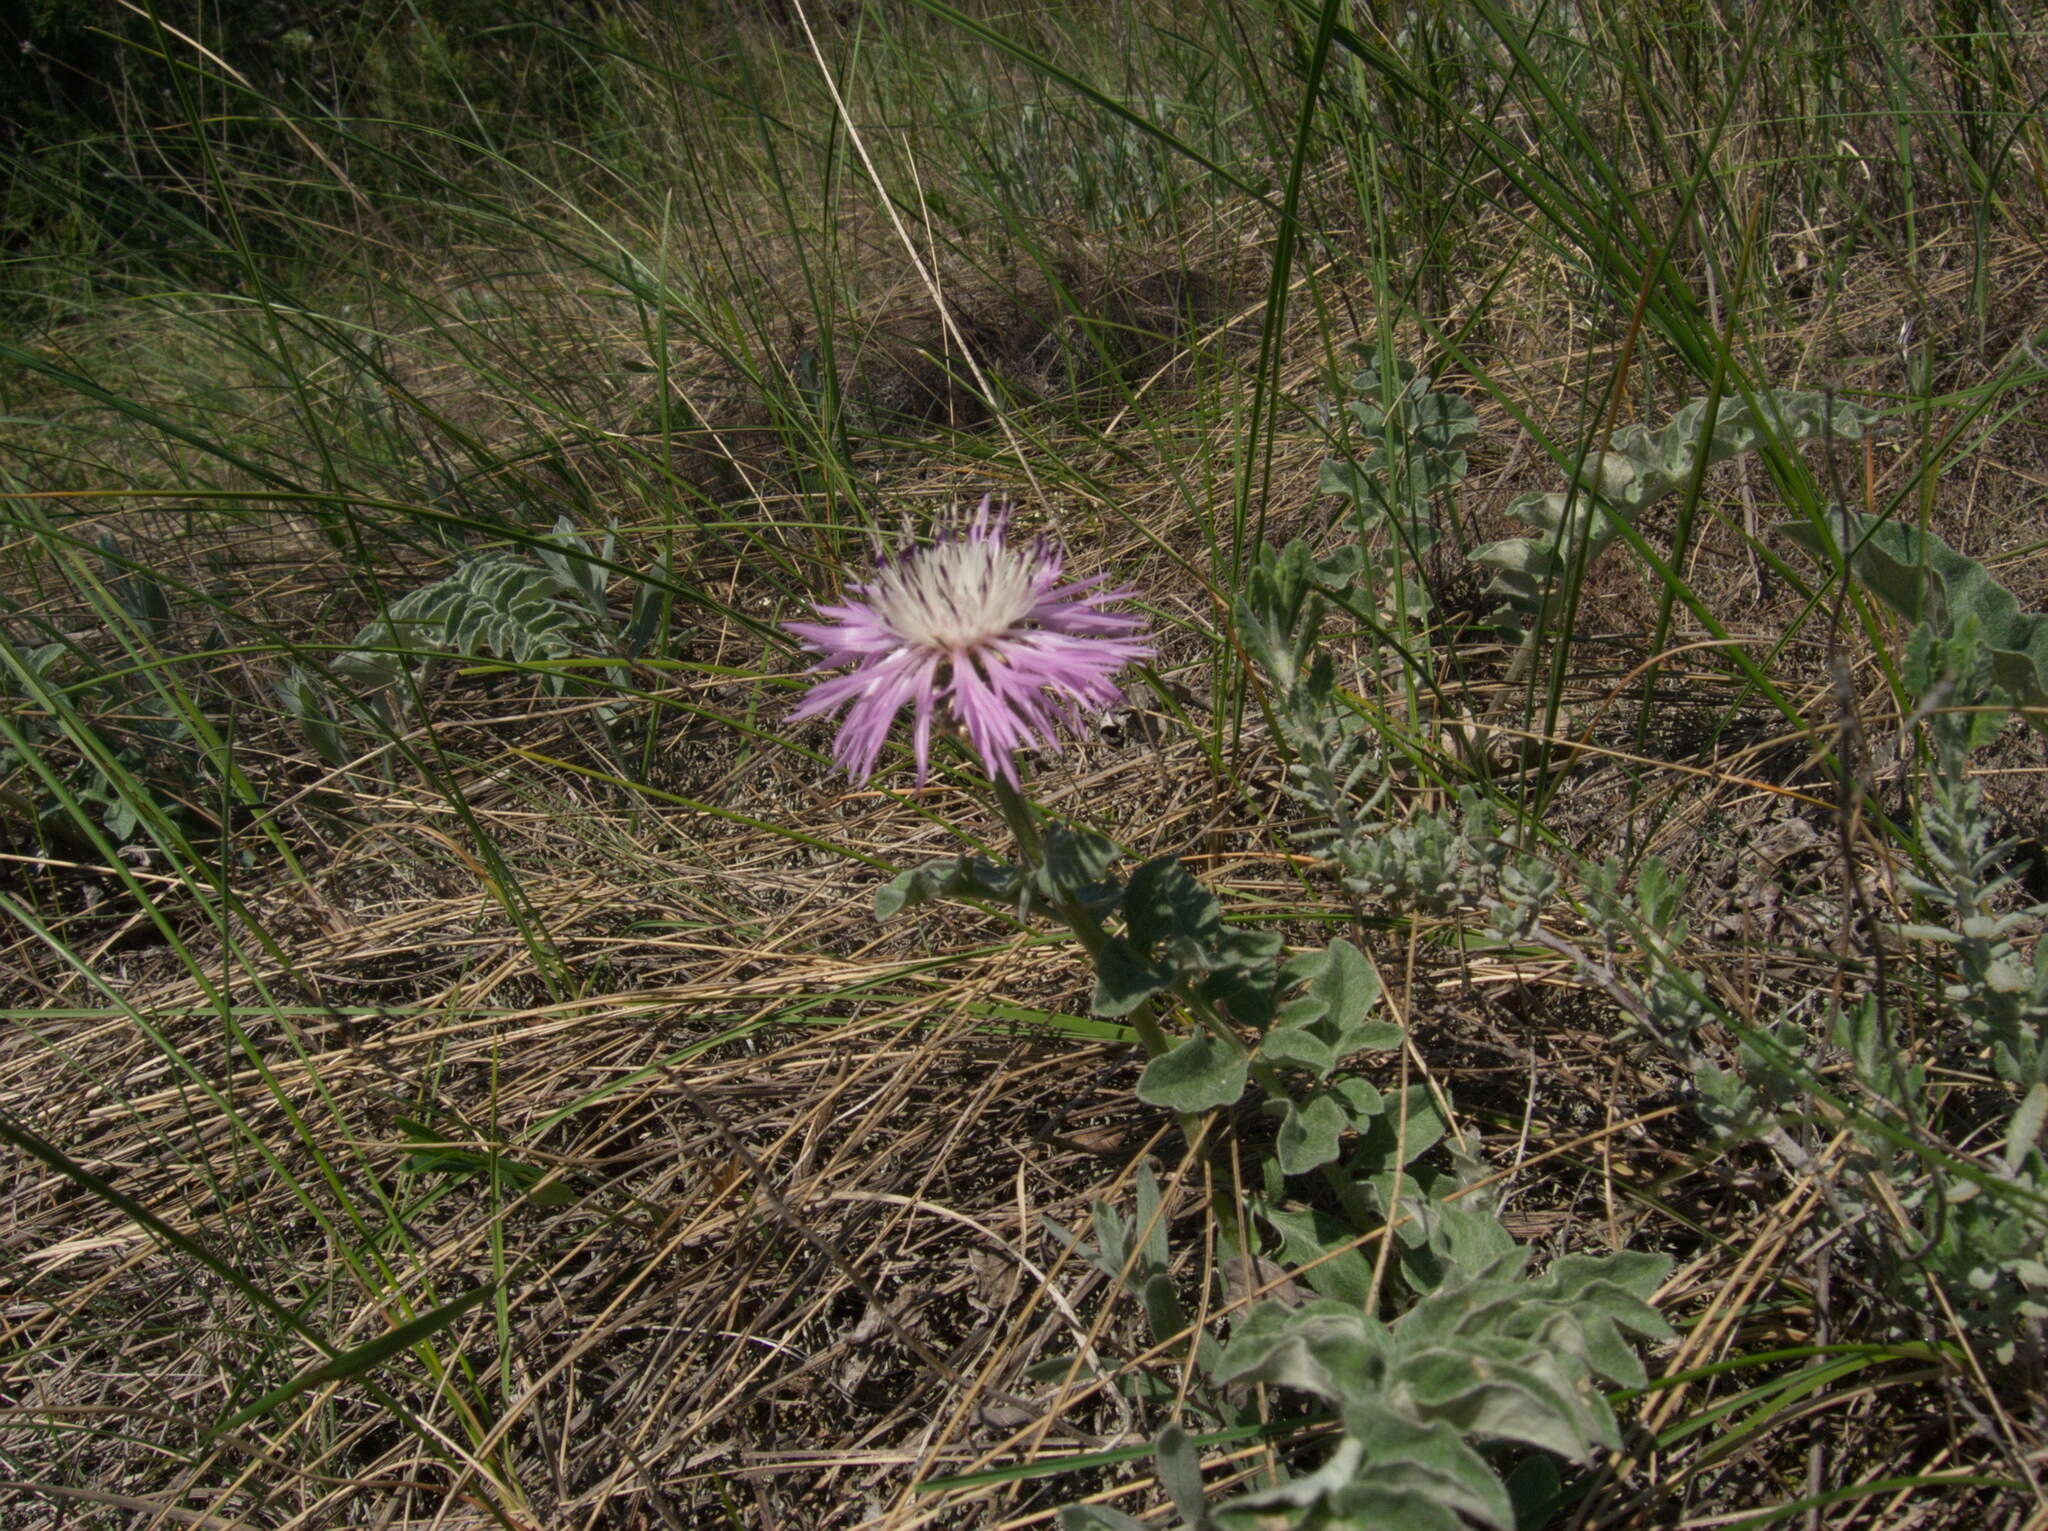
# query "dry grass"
(773, 1229)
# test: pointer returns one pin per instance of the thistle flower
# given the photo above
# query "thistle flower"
(978, 627)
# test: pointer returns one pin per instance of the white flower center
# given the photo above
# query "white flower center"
(955, 595)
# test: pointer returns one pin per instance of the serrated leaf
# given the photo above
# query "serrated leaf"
(1201, 1074)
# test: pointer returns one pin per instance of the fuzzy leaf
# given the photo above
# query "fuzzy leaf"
(1278, 613)
(1164, 1315)
(1204, 1072)
(1536, 1490)
(1075, 863)
(1326, 1023)
(308, 702)
(1308, 1236)
(1361, 1097)
(496, 604)
(1151, 1217)
(1497, 1398)
(1374, 1037)
(1433, 1456)
(1180, 1474)
(2025, 1128)
(1165, 905)
(1640, 467)
(1634, 1273)
(1358, 1507)
(1124, 980)
(945, 877)
(1297, 1047)
(1347, 986)
(1330, 1349)
(1354, 1490)
(1309, 1133)
(1924, 579)
(1112, 1240)
(1387, 1143)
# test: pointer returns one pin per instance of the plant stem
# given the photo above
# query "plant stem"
(1087, 928)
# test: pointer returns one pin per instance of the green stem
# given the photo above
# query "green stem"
(1087, 928)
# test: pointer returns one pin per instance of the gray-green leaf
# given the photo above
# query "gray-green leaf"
(1201, 1074)
(1923, 578)
(1309, 1133)
(946, 877)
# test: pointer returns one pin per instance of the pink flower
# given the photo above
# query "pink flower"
(981, 627)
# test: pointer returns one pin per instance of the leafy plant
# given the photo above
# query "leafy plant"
(1952, 1233)
(1983, 1234)
(79, 731)
(1336, 771)
(529, 610)
(1488, 1356)
(35, 732)
(1535, 577)
(1925, 580)
(1481, 1354)
(536, 610)
(1418, 441)
(1491, 1356)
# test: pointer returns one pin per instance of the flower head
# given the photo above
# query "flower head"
(979, 627)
